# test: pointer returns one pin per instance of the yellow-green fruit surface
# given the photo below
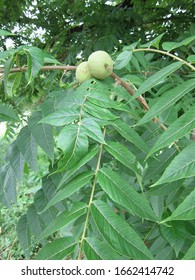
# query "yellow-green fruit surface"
(82, 72)
(100, 65)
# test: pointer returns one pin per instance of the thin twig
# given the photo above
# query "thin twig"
(44, 68)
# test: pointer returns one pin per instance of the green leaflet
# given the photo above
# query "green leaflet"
(35, 58)
(190, 255)
(122, 154)
(154, 43)
(185, 211)
(63, 219)
(27, 146)
(168, 99)
(156, 78)
(169, 46)
(98, 112)
(24, 236)
(57, 250)
(96, 249)
(7, 114)
(123, 59)
(90, 155)
(74, 185)
(130, 134)
(121, 192)
(61, 117)
(73, 141)
(118, 233)
(175, 131)
(174, 233)
(42, 134)
(34, 221)
(13, 83)
(92, 129)
(182, 166)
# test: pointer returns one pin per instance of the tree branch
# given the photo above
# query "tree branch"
(44, 68)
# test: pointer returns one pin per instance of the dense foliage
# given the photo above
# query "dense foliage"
(115, 157)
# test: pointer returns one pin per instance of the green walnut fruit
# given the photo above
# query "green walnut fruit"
(82, 72)
(100, 65)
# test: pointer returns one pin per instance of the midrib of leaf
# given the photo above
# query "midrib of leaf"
(91, 197)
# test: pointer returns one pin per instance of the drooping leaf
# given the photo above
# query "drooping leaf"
(35, 59)
(185, 211)
(16, 160)
(130, 134)
(23, 233)
(74, 185)
(61, 117)
(96, 249)
(182, 166)
(8, 185)
(64, 219)
(73, 141)
(8, 65)
(34, 222)
(42, 134)
(190, 255)
(118, 233)
(175, 131)
(121, 192)
(174, 232)
(27, 146)
(156, 78)
(168, 99)
(13, 83)
(57, 250)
